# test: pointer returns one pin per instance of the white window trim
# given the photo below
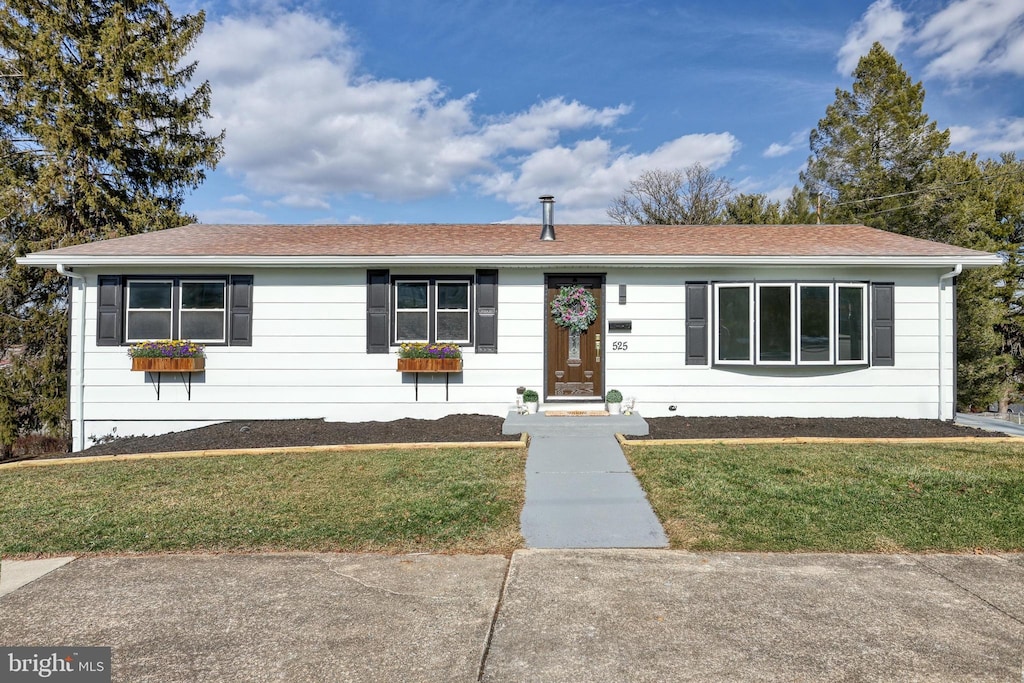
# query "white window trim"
(831, 323)
(128, 310)
(468, 311)
(223, 311)
(750, 322)
(865, 323)
(792, 323)
(425, 283)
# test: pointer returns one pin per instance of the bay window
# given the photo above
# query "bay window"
(790, 323)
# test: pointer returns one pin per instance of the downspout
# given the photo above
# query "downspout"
(942, 287)
(80, 381)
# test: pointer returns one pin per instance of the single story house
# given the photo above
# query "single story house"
(305, 321)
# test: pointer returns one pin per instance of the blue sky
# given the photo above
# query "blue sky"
(407, 111)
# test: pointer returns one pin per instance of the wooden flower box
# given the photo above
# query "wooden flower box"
(430, 365)
(169, 364)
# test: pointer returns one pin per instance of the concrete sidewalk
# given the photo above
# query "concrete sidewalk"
(580, 490)
(545, 615)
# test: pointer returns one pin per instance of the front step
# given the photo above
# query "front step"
(573, 407)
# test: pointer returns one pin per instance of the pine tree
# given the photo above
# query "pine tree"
(101, 136)
(752, 209)
(874, 145)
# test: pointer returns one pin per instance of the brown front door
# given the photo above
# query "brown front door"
(573, 366)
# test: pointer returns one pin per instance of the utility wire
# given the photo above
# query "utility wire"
(924, 189)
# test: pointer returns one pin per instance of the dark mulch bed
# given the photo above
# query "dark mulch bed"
(280, 433)
(463, 428)
(761, 427)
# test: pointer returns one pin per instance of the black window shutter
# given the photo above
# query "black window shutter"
(377, 285)
(240, 317)
(487, 311)
(108, 310)
(883, 328)
(696, 323)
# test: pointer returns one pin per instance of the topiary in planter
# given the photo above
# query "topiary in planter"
(530, 396)
(613, 396)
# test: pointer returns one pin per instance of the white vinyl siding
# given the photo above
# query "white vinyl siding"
(308, 355)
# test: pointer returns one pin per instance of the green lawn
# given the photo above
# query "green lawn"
(837, 497)
(452, 500)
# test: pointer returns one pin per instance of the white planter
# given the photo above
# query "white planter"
(613, 408)
(531, 406)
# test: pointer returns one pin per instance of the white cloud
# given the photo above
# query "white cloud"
(587, 175)
(883, 22)
(296, 201)
(304, 124)
(236, 199)
(779, 149)
(971, 37)
(1002, 135)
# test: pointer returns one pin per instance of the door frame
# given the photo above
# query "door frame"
(601, 279)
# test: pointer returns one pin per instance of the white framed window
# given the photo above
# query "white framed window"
(775, 324)
(734, 323)
(149, 310)
(791, 323)
(432, 309)
(851, 323)
(451, 311)
(816, 324)
(412, 311)
(202, 316)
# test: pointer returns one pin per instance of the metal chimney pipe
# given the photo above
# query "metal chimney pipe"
(547, 231)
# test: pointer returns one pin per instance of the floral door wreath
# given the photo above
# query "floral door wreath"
(574, 307)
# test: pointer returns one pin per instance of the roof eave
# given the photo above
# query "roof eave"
(45, 260)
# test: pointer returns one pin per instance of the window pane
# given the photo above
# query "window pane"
(149, 294)
(411, 326)
(208, 325)
(149, 324)
(452, 295)
(815, 335)
(775, 324)
(452, 327)
(202, 295)
(411, 295)
(851, 323)
(734, 323)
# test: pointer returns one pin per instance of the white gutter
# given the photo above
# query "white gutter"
(80, 382)
(503, 260)
(942, 288)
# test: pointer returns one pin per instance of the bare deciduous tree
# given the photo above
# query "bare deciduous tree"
(692, 196)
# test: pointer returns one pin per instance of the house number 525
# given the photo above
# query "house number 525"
(620, 346)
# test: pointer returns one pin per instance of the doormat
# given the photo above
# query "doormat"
(576, 413)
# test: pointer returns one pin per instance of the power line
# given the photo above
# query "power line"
(929, 188)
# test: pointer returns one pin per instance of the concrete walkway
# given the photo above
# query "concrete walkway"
(990, 423)
(543, 615)
(580, 491)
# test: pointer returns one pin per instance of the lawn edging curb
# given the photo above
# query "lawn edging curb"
(522, 442)
(624, 441)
